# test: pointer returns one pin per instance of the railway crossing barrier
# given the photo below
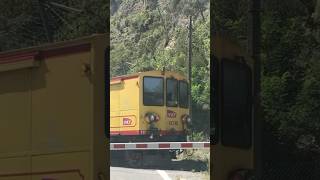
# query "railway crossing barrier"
(159, 145)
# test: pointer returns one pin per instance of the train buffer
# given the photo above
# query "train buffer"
(159, 145)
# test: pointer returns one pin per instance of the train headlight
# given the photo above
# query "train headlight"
(151, 117)
(186, 119)
(189, 120)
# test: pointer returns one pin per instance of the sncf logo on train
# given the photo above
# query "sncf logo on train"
(126, 121)
(171, 114)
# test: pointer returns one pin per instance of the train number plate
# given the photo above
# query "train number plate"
(173, 123)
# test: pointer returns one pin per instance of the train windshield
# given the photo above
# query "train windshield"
(183, 94)
(153, 91)
(172, 92)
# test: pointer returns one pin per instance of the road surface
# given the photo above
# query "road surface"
(176, 170)
(122, 173)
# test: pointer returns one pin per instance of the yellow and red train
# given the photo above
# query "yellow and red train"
(149, 106)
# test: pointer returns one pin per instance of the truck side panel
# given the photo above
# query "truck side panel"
(15, 111)
(61, 108)
(52, 112)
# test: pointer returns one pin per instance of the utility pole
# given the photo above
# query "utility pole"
(189, 65)
(254, 41)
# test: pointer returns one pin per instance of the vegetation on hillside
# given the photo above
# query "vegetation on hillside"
(21, 23)
(290, 71)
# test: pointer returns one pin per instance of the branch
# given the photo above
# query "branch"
(201, 11)
(65, 7)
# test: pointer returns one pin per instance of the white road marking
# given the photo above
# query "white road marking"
(164, 175)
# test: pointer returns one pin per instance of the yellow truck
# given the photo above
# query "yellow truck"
(234, 145)
(53, 111)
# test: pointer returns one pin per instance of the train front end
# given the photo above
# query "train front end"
(164, 106)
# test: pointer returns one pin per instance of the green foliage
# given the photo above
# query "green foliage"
(92, 19)
(198, 137)
(290, 79)
(21, 23)
(290, 66)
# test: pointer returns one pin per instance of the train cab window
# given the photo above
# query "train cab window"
(236, 105)
(172, 92)
(153, 91)
(183, 94)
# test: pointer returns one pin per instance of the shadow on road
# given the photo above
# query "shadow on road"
(178, 165)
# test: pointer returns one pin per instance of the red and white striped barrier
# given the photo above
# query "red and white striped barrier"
(159, 145)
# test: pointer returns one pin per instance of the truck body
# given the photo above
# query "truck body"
(232, 121)
(53, 111)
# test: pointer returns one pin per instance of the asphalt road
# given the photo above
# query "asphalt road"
(122, 173)
(176, 170)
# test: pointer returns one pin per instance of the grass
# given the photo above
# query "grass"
(197, 160)
(197, 155)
